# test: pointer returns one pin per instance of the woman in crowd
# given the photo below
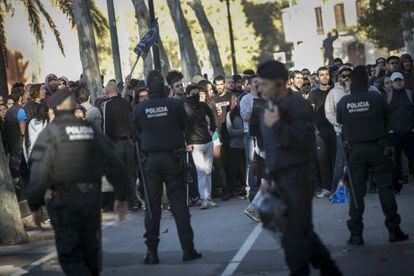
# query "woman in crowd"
(36, 125)
(385, 85)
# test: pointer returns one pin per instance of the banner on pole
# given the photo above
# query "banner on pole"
(148, 40)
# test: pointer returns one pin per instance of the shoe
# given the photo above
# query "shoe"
(211, 204)
(151, 258)
(205, 205)
(253, 214)
(398, 236)
(355, 240)
(192, 254)
(324, 193)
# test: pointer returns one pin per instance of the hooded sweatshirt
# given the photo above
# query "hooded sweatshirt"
(34, 129)
(334, 96)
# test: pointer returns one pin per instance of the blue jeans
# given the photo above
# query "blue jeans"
(339, 163)
(251, 180)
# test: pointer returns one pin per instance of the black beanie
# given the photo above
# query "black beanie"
(359, 79)
(273, 70)
(155, 82)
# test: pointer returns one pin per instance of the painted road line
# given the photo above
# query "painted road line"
(53, 254)
(244, 249)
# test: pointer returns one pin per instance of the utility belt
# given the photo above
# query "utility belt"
(382, 143)
(177, 155)
(81, 187)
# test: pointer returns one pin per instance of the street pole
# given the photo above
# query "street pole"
(233, 51)
(155, 50)
(114, 41)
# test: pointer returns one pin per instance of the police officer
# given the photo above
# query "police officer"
(160, 123)
(289, 143)
(363, 116)
(69, 159)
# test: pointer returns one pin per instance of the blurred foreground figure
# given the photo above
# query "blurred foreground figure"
(69, 159)
(289, 143)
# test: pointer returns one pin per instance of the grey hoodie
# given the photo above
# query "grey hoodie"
(334, 96)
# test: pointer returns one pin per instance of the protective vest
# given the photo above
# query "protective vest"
(77, 156)
(363, 118)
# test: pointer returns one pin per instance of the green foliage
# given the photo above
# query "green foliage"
(262, 16)
(384, 23)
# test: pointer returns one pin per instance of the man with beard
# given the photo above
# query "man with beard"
(406, 62)
(51, 86)
(289, 143)
(296, 80)
(325, 134)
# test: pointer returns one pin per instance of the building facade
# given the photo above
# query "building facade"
(307, 23)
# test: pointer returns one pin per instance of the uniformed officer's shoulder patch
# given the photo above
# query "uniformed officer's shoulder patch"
(80, 132)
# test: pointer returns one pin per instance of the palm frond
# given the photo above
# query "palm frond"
(34, 21)
(99, 21)
(52, 25)
(66, 6)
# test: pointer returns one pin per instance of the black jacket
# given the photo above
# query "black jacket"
(70, 148)
(160, 123)
(363, 116)
(291, 141)
(197, 131)
(117, 123)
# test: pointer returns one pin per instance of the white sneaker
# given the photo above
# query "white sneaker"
(252, 213)
(324, 193)
(211, 204)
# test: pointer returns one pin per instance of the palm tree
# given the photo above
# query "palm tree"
(189, 58)
(11, 226)
(35, 10)
(209, 36)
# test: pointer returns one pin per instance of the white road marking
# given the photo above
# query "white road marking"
(53, 254)
(244, 249)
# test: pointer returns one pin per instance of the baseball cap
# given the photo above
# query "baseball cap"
(196, 79)
(396, 75)
(343, 68)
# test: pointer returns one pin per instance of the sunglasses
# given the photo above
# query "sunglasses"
(345, 76)
(394, 63)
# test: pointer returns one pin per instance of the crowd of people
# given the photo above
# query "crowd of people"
(224, 143)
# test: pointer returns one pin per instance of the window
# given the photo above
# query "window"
(339, 15)
(319, 21)
(360, 11)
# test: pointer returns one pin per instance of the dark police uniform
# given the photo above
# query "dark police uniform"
(364, 116)
(290, 152)
(69, 158)
(160, 123)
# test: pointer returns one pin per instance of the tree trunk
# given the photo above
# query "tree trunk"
(142, 16)
(87, 48)
(11, 225)
(4, 89)
(189, 59)
(208, 32)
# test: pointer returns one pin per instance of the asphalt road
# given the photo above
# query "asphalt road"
(233, 244)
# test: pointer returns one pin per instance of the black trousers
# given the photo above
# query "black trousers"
(236, 173)
(76, 219)
(326, 148)
(365, 158)
(126, 153)
(401, 143)
(168, 168)
(301, 244)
